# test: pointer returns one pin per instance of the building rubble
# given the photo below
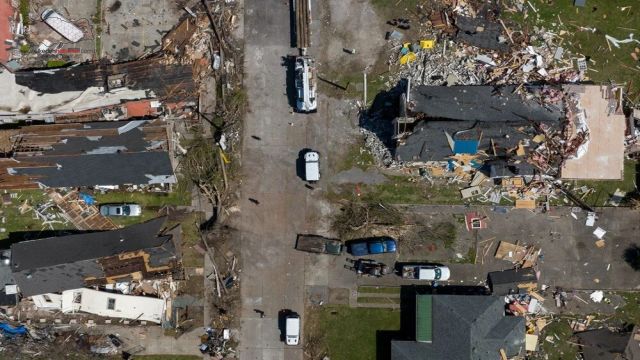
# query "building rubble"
(530, 173)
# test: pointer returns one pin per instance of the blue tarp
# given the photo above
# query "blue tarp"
(465, 146)
(88, 199)
(9, 330)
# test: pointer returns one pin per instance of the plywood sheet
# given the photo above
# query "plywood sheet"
(604, 159)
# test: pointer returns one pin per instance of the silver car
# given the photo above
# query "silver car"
(121, 210)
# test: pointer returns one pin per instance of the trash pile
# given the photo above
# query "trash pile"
(466, 43)
(215, 343)
(461, 46)
(59, 341)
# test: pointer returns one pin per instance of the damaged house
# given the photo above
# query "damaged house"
(57, 264)
(572, 131)
(461, 327)
(480, 121)
(105, 154)
(90, 92)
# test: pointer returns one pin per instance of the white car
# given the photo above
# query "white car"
(121, 210)
(292, 329)
(433, 273)
(312, 166)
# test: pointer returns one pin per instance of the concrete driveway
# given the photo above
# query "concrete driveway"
(570, 258)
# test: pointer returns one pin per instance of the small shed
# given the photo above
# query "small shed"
(511, 281)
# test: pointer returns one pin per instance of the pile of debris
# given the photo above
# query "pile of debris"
(462, 45)
(60, 341)
(465, 43)
(215, 343)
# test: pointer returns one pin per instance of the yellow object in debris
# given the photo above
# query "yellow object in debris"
(405, 59)
(531, 342)
(538, 138)
(224, 157)
(427, 44)
(520, 150)
(406, 45)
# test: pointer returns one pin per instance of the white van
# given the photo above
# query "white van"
(292, 329)
(312, 166)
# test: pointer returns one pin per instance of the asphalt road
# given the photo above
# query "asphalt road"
(273, 275)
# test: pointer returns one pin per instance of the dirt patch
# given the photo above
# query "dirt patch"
(353, 25)
(339, 296)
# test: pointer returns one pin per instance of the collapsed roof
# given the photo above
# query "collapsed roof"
(428, 141)
(88, 154)
(70, 262)
(36, 93)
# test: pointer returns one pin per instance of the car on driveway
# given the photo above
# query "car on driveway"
(372, 246)
(292, 329)
(426, 272)
(312, 166)
(121, 210)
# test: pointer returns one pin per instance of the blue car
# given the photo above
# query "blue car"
(372, 246)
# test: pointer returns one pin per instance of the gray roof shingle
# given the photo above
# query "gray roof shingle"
(103, 169)
(466, 327)
(62, 263)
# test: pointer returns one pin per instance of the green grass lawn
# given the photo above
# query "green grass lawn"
(190, 237)
(604, 189)
(358, 156)
(630, 311)
(608, 18)
(560, 349)
(144, 198)
(401, 190)
(350, 333)
(379, 289)
(378, 300)
(14, 221)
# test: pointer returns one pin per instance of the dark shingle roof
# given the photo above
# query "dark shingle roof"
(466, 327)
(103, 169)
(602, 344)
(481, 103)
(486, 39)
(506, 281)
(61, 263)
(170, 82)
(428, 141)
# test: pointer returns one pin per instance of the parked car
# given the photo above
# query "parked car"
(319, 244)
(312, 166)
(372, 246)
(426, 272)
(292, 329)
(367, 267)
(121, 210)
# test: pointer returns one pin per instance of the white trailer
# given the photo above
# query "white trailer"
(62, 26)
(306, 84)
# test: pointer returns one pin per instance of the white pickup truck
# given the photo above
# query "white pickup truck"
(426, 272)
